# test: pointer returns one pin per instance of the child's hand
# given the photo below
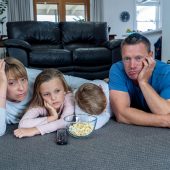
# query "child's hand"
(26, 132)
(3, 78)
(52, 111)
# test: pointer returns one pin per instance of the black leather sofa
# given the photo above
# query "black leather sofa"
(76, 48)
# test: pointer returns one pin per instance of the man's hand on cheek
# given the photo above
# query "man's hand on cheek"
(146, 72)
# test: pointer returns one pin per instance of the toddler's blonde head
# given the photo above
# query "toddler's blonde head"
(91, 98)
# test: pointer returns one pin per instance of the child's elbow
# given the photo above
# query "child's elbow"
(2, 131)
(21, 124)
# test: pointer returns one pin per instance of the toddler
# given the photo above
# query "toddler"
(93, 98)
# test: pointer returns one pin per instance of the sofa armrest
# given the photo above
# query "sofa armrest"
(16, 43)
(112, 44)
(115, 46)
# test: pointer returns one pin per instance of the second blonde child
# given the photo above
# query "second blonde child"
(51, 102)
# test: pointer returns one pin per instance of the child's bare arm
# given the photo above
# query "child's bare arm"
(3, 84)
(3, 91)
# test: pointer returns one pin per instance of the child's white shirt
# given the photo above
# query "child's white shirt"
(104, 117)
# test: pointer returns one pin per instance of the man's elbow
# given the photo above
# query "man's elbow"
(120, 118)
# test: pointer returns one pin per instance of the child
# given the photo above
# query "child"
(93, 98)
(51, 101)
(15, 91)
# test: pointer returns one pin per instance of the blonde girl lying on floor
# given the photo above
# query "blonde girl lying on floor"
(51, 102)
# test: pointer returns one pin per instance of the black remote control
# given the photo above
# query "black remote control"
(62, 137)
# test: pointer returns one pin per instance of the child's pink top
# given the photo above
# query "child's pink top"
(37, 117)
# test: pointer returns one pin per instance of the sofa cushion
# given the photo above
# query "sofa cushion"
(84, 32)
(35, 32)
(73, 46)
(91, 75)
(97, 56)
(50, 58)
(46, 46)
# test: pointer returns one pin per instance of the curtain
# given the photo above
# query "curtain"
(19, 10)
(97, 10)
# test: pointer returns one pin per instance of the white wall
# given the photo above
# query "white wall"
(153, 36)
(166, 31)
(112, 10)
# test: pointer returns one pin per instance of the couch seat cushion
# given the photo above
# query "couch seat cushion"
(92, 56)
(45, 46)
(50, 58)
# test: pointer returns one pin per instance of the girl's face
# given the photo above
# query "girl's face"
(53, 92)
(17, 88)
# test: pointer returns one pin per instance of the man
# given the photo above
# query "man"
(139, 85)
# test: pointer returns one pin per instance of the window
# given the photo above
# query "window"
(75, 12)
(147, 15)
(47, 12)
(62, 10)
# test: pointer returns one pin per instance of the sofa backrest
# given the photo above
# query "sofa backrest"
(68, 35)
(84, 34)
(35, 32)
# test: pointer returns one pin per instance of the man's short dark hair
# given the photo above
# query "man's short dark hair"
(136, 38)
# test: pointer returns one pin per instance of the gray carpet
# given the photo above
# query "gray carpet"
(115, 146)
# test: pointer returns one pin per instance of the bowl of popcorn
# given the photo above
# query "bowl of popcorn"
(80, 125)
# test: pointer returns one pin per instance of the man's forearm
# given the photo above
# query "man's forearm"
(139, 117)
(157, 104)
